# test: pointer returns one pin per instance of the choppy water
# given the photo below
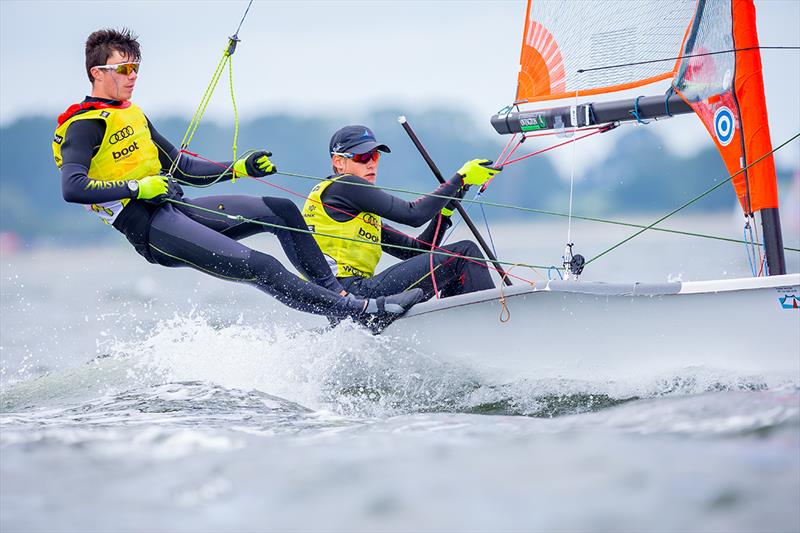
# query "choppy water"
(137, 399)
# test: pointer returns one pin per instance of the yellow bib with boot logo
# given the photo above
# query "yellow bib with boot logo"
(126, 153)
(355, 255)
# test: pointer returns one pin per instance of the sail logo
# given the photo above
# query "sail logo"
(724, 126)
(533, 123)
(789, 301)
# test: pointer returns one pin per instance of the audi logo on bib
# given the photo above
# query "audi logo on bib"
(121, 135)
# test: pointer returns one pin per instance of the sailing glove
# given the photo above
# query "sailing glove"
(256, 165)
(151, 187)
(478, 171)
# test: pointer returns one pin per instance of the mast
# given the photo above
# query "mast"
(716, 74)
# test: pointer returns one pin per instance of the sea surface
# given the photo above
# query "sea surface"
(138, 398)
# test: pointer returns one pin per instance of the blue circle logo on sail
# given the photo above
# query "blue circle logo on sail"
(723, 125)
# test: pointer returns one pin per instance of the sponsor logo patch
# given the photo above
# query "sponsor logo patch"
(533, 123)
(125, 152)
(789, 301)
(121, 135)
(58, 139)
(724, 125)
(367, 235)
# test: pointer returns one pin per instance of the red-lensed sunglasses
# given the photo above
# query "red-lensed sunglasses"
(361, 158)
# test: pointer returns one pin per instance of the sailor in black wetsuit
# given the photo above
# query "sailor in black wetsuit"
(346, 205)
(111, 160)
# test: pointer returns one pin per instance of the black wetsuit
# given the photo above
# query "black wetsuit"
(179, 236)
(350, 195)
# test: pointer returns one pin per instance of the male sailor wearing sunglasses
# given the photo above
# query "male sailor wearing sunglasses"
(347, 215)
(112, 160)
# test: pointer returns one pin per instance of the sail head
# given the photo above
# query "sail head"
(726, 90)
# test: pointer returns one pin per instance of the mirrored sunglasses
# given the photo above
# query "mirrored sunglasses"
(122, 68)
(361, 158)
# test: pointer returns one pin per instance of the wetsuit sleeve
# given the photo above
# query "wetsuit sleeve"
(355, 195)
(81, 142)
(393, 237)
(190, 171)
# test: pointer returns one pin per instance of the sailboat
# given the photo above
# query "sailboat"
(578, 329)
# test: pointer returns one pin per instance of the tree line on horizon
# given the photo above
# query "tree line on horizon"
(638, 176)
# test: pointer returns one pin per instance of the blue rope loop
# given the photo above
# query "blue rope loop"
(553, 267)
(635, 112)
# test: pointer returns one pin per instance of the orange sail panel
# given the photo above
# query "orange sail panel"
(727, 93)
(561, 38)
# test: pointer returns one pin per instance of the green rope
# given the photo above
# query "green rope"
(240, 218)
(230, 48)
(535, 211)
(235, 111)
(204, 101)
(693, 200)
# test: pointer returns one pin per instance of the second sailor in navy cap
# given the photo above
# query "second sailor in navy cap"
(348, 218)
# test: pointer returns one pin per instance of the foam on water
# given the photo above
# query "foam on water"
(344, 371)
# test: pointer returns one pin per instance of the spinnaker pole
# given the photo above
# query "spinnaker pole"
(486, 249)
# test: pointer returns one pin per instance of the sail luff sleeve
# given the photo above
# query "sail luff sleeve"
(726, 92)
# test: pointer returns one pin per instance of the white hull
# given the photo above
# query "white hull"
(590, 330)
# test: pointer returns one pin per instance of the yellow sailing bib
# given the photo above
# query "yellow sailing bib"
(356, 257)
(127, 152)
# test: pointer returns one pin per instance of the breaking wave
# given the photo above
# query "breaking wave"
(191, 364)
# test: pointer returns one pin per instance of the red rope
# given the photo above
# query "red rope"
(499, 157)
(545, 134)
(430, 257)
(433, 246)
(543, 150)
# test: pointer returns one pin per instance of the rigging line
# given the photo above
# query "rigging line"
(696, 198)
(565, 131)
(568, 244)
(532, 210)
(191, 129)
(289, 191)
(438, 251)
(756, 239)
(430, 256)
(526, 156)
(506, 158)
(581, 71)
(246, 11)
(747, 249)
(503, 151)
(488, 230)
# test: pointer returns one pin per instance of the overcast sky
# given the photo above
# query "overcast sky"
(338, 57)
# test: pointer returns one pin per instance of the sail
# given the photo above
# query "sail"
(563, 37)
(727, 92)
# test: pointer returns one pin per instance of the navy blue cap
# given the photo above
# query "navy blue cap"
(355, 140)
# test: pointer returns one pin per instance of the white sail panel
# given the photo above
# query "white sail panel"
(562, 37)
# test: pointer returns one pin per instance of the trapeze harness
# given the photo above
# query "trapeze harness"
(174, 235)
(351, 240)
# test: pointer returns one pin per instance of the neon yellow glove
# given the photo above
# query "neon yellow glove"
(478, 171)
(152, 186)
(256, 165)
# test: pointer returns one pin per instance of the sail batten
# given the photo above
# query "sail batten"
(561, 38)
